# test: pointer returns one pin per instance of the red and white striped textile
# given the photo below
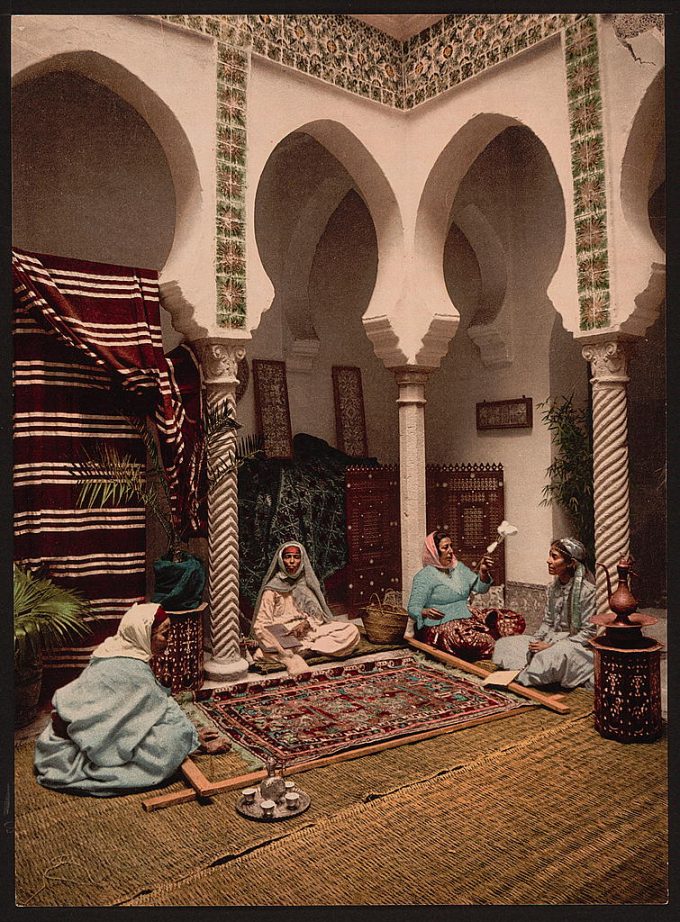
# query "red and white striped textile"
(85, 335)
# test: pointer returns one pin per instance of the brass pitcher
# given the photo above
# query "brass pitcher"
(622, 601)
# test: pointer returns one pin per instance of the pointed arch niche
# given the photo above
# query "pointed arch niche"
(318, 243)
(505, 231)
(113, 161)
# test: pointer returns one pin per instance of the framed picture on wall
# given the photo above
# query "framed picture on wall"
(505, 414)
(271, 407)
(350, 421)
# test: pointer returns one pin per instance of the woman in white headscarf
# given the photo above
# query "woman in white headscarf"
(559, 651)
(116, 729)
(291, 598)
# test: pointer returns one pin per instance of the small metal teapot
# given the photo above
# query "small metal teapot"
(622, 601)
(273, 787)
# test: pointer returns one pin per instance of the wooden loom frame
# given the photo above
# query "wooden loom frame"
(202, 787)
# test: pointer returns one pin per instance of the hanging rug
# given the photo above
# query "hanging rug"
(296, 719)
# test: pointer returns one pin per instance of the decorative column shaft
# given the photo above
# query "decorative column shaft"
(609, 365)
(219, 360)
(411, 402)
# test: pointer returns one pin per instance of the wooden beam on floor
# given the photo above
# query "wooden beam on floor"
(203, 787)
(552, 702)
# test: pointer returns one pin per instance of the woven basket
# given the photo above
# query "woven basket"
(385, 622)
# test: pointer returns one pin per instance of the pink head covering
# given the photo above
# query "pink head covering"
(431, 555)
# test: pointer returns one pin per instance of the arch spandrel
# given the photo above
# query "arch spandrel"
(490, 328)
(644, 271)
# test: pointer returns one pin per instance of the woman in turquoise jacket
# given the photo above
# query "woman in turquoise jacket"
(439, 606)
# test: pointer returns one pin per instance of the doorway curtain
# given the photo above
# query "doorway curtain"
(88, 356)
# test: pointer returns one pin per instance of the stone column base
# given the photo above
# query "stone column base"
(225, 670)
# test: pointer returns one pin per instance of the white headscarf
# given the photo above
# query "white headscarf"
(303, 584)
(133, 637)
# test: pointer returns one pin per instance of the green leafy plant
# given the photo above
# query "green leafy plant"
(110, 477)
(570, 476)
(45, 615)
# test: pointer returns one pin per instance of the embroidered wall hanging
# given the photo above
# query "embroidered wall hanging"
(350, 421)
(271, 407)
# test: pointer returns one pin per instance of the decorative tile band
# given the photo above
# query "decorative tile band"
(461, 46)
(588, 171)
(348, 53)
(234, 40)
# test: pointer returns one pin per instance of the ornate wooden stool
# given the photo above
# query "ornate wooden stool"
(181, 666)
(627, 669)
(628, 683)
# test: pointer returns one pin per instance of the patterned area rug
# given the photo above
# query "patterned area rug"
(344, 707)
(364, 648)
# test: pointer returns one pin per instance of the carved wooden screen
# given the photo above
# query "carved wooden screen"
(373, 532)
(467, 500)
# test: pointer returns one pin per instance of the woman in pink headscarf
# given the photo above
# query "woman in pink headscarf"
(439, 603)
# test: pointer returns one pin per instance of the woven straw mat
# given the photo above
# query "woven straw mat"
(87, 851)
(562, 817)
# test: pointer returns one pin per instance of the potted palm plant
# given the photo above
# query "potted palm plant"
(108, 476)
(570, 476)
(45, 615)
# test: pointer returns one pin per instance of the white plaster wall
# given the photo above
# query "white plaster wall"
(281, 101)
(632, 245)
(340, 285)
(169, 75)
(530, 89)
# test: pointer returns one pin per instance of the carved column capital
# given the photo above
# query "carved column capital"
(219, 359)
(608, 361)
(411, 383)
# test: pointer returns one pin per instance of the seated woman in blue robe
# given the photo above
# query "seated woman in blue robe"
(115, 729)
(440, 615)
(559, 652)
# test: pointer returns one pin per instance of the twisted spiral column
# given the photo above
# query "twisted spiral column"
(219, 360)
(609, 365)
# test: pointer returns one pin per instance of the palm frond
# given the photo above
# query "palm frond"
(248, 446)
(109, 477)
(218, 419)
(45, 614)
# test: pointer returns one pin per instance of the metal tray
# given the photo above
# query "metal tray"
(281, 811)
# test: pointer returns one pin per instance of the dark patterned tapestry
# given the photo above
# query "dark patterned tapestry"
(350, 421)
(271, 407)
(302, 500)
(465, 499)
(373, 532)
(88, 350)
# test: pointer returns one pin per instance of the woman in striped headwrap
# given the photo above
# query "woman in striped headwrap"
(559, 651)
